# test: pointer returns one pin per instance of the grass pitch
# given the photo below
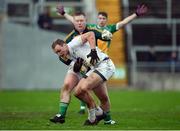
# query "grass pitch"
(130, 109)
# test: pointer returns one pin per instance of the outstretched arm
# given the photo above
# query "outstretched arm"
(61, 11)
(141, 10)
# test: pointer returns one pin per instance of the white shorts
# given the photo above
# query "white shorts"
(104, 69)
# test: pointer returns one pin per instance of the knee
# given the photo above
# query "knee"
(84, 89)
(104, 100)
(66, 90)
(77, 91)
(86, 86)
(67, 87)
(80, 90)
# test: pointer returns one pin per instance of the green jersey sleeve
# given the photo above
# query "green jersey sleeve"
(112, 28)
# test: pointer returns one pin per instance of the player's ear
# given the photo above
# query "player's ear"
(64, 45)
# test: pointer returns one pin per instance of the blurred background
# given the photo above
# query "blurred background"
(146, 52)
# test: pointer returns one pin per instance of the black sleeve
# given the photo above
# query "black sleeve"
(65, 61)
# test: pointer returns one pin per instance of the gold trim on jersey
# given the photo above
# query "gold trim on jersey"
(94, 28)
(69, 35)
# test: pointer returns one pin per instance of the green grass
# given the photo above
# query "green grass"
(131, 110)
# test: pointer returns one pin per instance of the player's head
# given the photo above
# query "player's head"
(79, 21)
(60, 48)
(102, 19)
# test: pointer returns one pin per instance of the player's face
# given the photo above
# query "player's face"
(61, 50)
(102, 20)
(80, 23)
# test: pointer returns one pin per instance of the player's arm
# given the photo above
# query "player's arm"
(141, 10)
(90, 38)
(66, 61)
(61, 11)
(79, 65)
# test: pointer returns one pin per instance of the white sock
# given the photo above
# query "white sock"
(91, 115)
(82, 107)
(98, 111)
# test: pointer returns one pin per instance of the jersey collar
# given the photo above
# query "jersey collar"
(99, 27)
(77, 32)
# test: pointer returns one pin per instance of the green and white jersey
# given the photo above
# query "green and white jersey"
(104, 45)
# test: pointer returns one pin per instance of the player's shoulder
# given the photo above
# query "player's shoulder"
(90, 25)
(111, 28)
(94, 28)
(76, 39)
(111, 25)
(70, 36)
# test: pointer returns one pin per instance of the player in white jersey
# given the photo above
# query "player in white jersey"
(101, 67)
(108, 30)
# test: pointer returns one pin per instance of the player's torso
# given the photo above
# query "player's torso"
(77, 49)
(83, 50)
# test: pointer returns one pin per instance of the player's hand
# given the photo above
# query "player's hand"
(60, 9)
(106, 35)
(78, 64)
(141, 10)
(84, 69)
(94, 56)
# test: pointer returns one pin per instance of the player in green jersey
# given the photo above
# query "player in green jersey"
(102, 20)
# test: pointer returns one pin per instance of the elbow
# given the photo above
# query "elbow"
(91, 37)
(91, 33)
(123, 23)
